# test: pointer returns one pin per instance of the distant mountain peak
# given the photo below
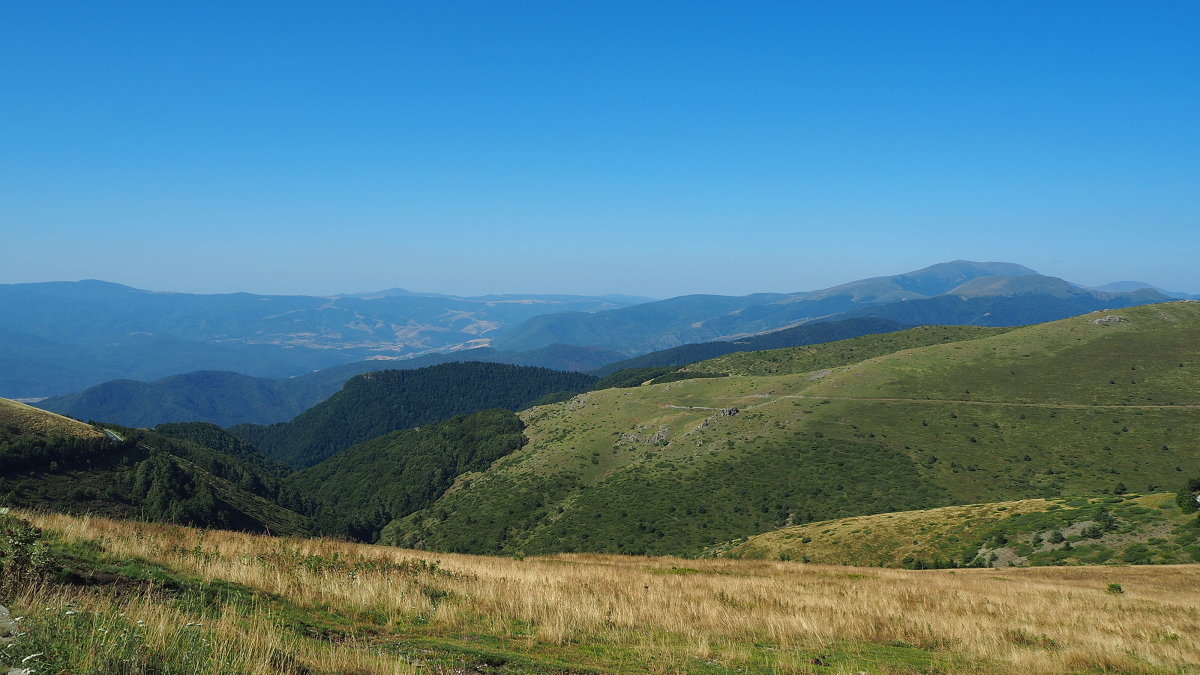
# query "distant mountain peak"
(923, 283)
(942, 277)
(1123, 286)
(994, 269)
(396, 292)
(98, 282)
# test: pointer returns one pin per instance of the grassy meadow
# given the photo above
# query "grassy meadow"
(133, 597)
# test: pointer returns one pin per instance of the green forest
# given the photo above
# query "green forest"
(374, 404)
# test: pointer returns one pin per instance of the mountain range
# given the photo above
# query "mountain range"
(1128, 286)
(228, 399)
(61, 337)
(959, 292)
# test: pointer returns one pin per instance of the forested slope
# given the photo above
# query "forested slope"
(374, 404)
(51, 462)
(361, 489)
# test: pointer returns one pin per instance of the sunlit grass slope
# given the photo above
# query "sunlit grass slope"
(18, 418)
(795, 360)
(156, 598)
(910, 420)
(1136, 356)
(1118, 529)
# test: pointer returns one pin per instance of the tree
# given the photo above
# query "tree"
(1186, 498)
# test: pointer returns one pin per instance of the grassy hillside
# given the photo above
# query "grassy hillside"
(807, 359)
(1120, 529)
(865, 426)
(374, 404)
(1142, 355)
(130, 597)
(20, 419)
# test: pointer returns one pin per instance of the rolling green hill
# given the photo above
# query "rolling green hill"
(910, 420)
(1125, 528)
(810, 358)
(374, 404)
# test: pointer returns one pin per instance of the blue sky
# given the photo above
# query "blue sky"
(650, 148)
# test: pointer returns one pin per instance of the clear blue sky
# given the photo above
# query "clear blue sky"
(656, 148)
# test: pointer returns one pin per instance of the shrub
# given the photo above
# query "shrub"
(24, 558)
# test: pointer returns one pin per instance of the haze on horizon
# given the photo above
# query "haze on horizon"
(596, 147)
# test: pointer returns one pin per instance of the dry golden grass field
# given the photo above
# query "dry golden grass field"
(162, 598)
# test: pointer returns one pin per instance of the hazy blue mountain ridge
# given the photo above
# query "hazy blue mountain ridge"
(1127, 286)
(60, 337)
(1001, 294)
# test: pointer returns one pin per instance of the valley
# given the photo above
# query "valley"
(843, 504)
